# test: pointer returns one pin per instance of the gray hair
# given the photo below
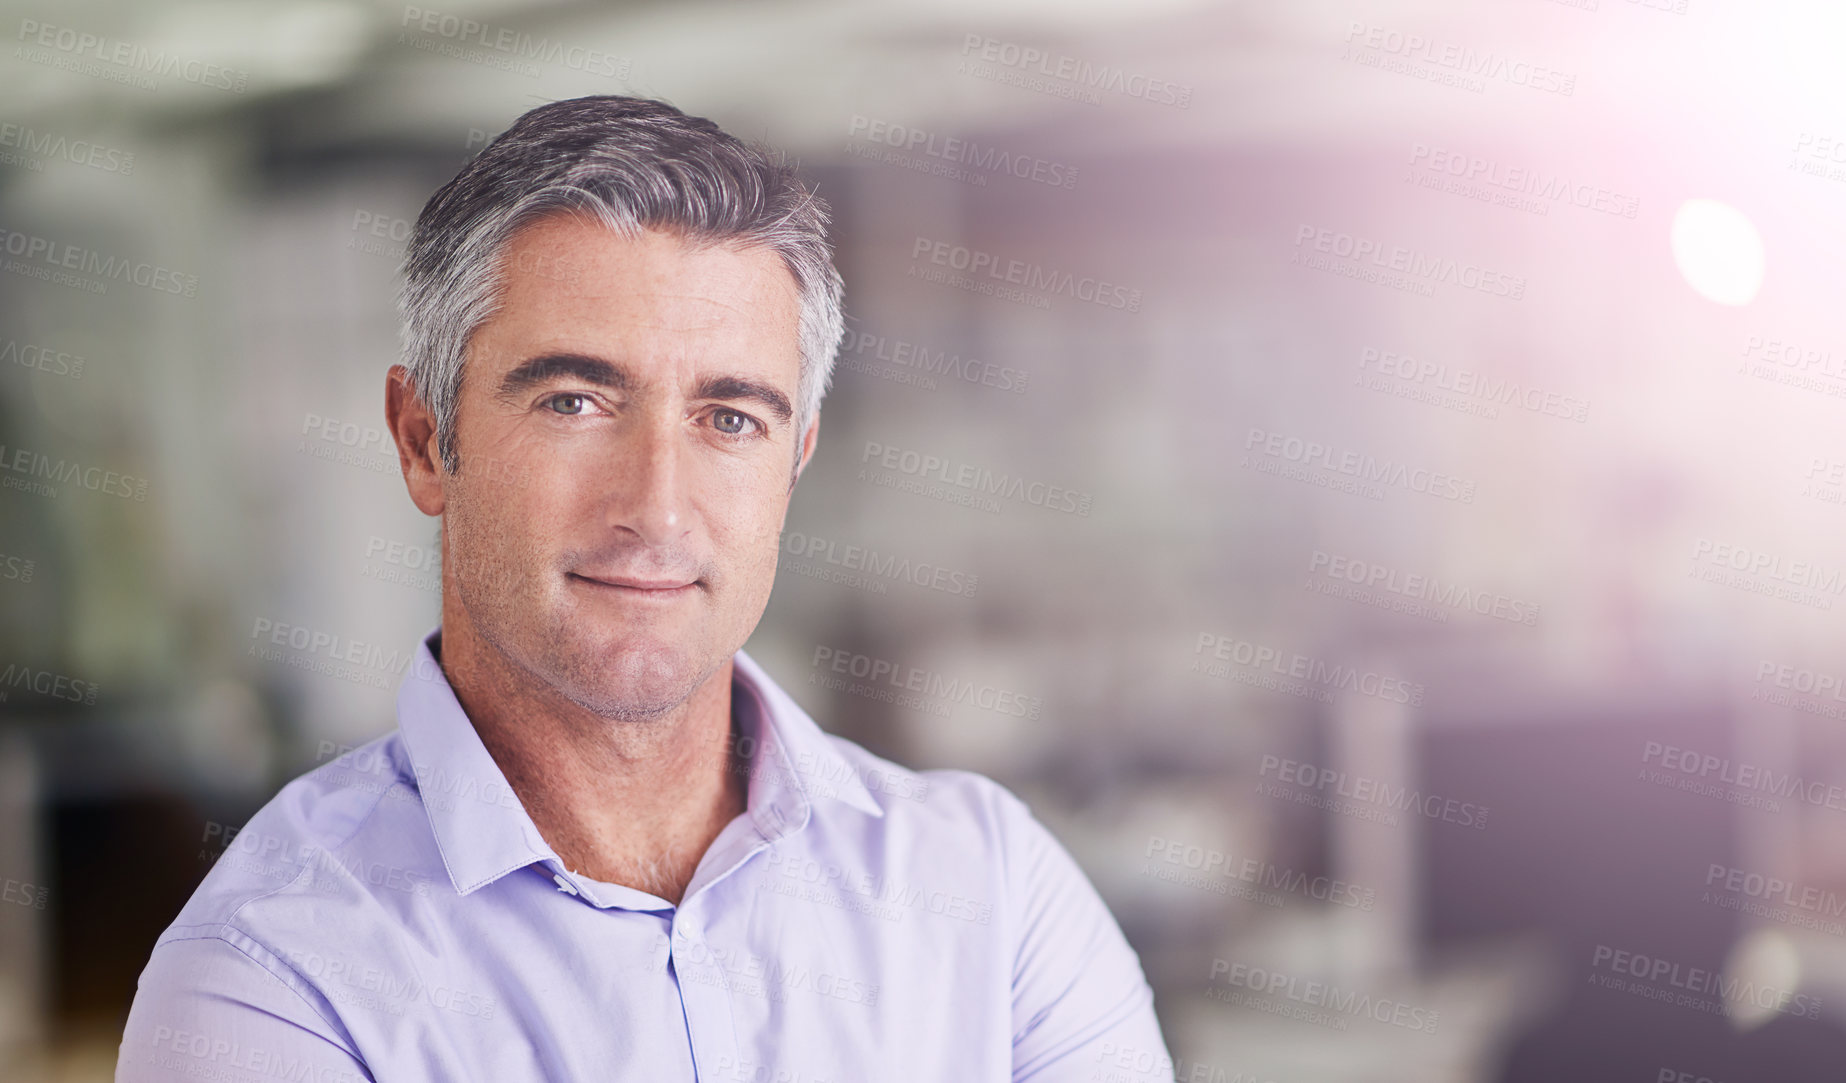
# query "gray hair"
(631, 164)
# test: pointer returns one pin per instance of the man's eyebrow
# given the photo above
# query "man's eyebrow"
(738, 387)
(535, 371)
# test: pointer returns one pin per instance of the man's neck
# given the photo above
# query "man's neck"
(631, 802)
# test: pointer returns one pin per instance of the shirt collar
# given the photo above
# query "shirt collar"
(484, 832)
(797, 759)
(481, 827)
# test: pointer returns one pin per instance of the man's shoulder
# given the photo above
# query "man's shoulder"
(956, 842)
(939, 799)
(830, 766)
(349, 833)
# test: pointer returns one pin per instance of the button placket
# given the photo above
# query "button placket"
(705, 994)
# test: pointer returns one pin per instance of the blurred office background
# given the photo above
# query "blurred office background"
(1454, 391)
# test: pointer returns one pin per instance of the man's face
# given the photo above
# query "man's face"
(626, 440)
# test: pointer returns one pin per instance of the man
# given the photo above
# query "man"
(602, 843)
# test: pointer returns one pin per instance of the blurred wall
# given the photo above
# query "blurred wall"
(1379, 461)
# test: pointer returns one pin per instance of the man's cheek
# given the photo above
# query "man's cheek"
(758, 550)
(490, 556)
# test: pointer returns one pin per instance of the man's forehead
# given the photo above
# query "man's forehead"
(577, 287)
(596, 260)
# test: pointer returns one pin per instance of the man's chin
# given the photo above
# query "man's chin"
(631, 678)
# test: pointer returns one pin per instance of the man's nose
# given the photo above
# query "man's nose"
(650, 497)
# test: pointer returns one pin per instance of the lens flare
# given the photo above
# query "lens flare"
(1718, 250)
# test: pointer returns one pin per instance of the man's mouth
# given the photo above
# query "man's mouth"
(663, 588)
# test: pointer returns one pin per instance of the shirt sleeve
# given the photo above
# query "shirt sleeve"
(1081, 1003)
(208, 1007)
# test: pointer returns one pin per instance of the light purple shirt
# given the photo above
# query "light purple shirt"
(395, 915)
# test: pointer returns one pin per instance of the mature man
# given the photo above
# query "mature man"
(602, 843)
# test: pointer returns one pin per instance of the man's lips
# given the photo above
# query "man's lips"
(637, 584)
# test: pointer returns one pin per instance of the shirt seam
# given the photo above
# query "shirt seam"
(307, 867)
(219, 931)
(228, 923)
(378, 802)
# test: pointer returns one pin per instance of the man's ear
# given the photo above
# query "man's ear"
(808, 440)
(413, 428)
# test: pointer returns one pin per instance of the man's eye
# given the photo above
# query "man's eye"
(567, 404)
(730, 421)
